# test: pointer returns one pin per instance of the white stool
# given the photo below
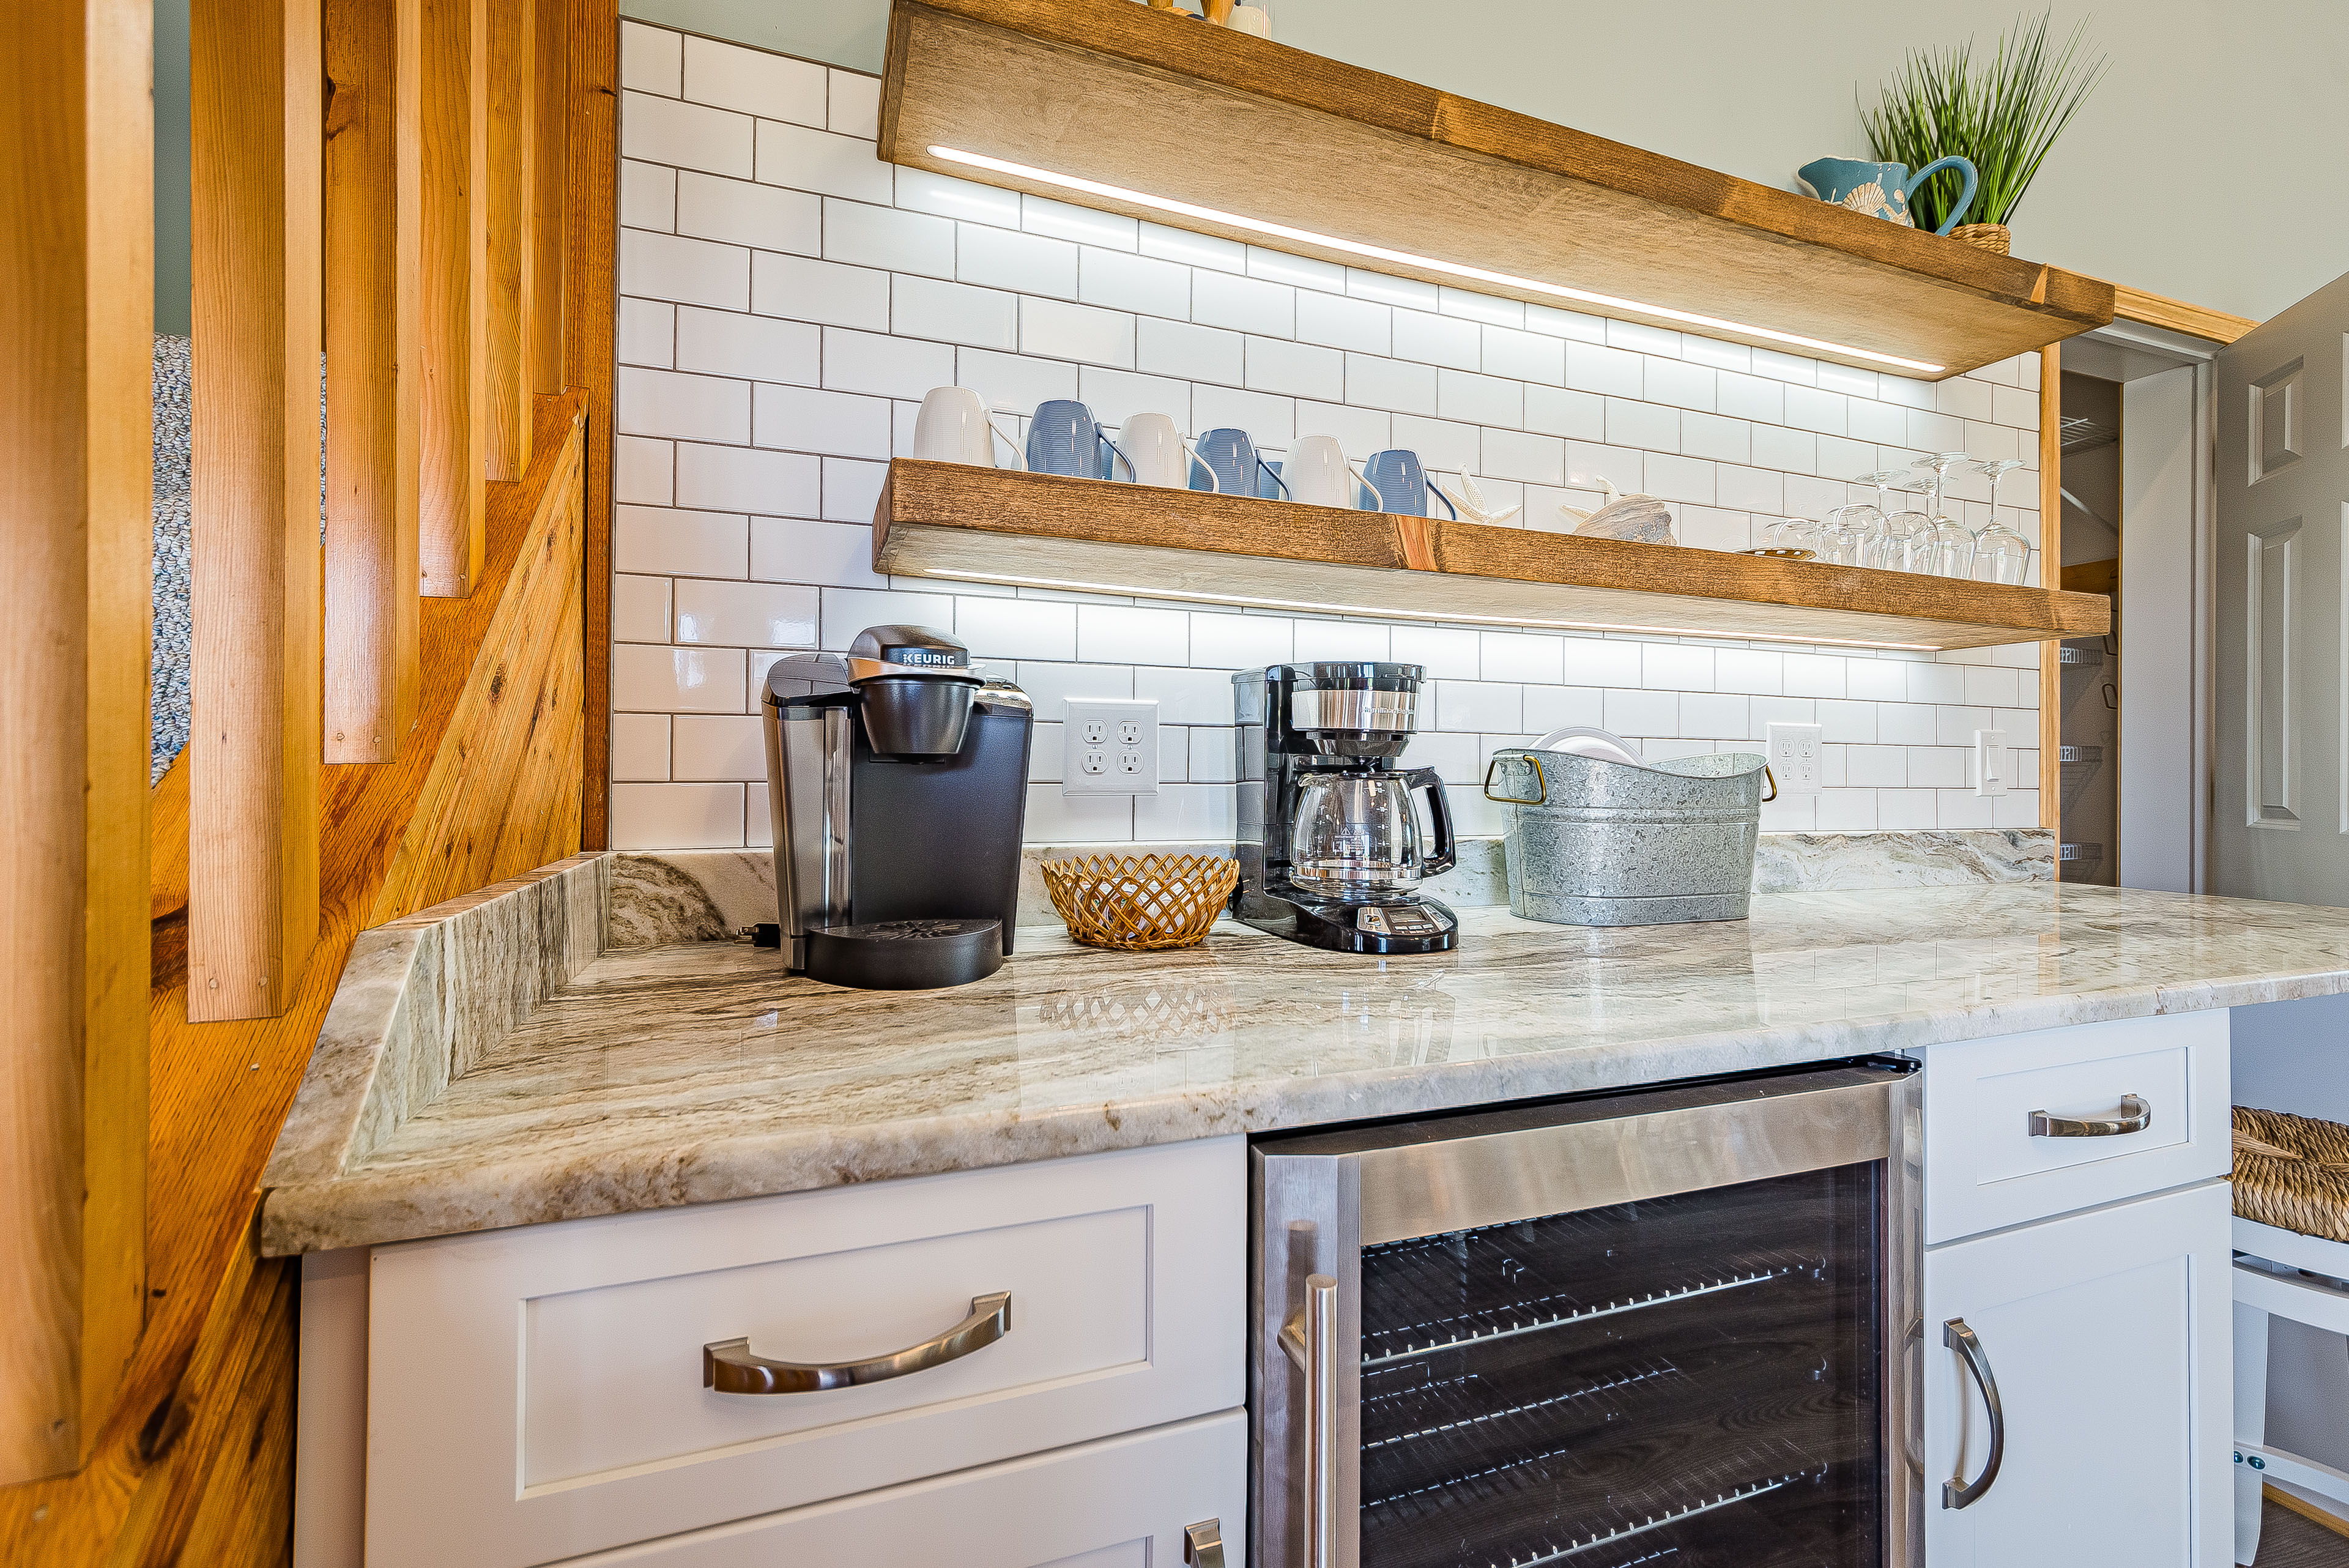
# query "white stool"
(2268, 1283)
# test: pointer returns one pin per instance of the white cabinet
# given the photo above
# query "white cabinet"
(2106, 1334)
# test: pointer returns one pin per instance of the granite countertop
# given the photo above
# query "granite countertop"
(694, 1072)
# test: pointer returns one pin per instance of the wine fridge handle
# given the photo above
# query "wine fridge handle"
(1311, 1338)
(1957, 1492)
(1203, 1544)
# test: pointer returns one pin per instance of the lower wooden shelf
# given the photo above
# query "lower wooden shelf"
(978, 525)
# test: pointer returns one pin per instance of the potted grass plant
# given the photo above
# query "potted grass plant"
(2002, 115)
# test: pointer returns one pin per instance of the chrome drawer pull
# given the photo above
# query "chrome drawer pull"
(2136, 1114)
(728, 1365)
(1203, 1544)
(1955, 1492)
(1311, 1338)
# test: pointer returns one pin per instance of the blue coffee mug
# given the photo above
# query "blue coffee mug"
(1230, 454)
(1401, 484)
(1063, 437)
(1882, 190)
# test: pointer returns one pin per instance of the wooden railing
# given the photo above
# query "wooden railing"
(419, 192)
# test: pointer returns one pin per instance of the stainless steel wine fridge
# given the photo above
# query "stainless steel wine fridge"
(1669, 1327)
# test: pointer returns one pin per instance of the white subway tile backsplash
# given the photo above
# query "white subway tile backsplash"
(685, 135)
(689, 271)
(1119, 280)
(817, 160)
(884, 237)
(1433, 339)
(1342, 639)
(1300, 369)
(1479, 399)
(867, 285)
(1244, 303)
(647, 195)
(651, 59)
(827, 555)
(1040, 215)
(1017, 628)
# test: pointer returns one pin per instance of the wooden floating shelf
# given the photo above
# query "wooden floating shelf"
(982, 525)
(1126, 96)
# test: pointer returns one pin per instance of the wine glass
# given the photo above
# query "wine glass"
(1905, 543)
(1953, 542)
(1861, 525)
(1792, 533)
(2000, 554)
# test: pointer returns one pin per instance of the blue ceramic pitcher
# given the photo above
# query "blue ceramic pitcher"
(1882, 190)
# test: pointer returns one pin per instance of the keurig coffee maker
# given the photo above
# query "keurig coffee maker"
(1328, 838)
(897, 781)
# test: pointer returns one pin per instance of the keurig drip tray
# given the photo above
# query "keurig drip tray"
(905, 955)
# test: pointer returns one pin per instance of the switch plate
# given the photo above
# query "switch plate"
(1992, 762)
(1797, 756)
(1109, 746)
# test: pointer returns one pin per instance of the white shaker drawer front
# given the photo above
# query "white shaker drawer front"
(2021, 1127)
(1123, 1503)
(538, 1392)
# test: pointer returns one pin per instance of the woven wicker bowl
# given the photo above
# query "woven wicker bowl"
(2293, 1172)
(1157, 901)
(1985, 236)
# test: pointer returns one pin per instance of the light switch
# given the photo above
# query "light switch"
(1796, 757)
(1991, 762)
(1109, 746)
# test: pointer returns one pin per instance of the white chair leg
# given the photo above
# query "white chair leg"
(2250, 1422)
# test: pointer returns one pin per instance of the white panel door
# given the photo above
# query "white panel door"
(2281, 826)
(2107, 1337)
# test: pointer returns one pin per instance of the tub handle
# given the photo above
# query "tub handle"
(1541, 784)
(1772, 780)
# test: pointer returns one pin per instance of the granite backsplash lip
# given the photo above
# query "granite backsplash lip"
(698, 1072)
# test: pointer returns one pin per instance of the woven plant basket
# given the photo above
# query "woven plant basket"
(1157, 901)
(2293, 1172)
(1986, 236)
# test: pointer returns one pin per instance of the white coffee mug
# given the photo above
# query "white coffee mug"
(1159, 453)
(1316, 473)
(953, 426)
(1252, 19)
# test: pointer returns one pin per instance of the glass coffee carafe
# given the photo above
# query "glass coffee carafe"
(1356, 836)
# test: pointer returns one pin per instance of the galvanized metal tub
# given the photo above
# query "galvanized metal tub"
(1597, 843)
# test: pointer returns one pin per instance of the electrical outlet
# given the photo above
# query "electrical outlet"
(1797, 756)
(1990, 765)
(1109, 746)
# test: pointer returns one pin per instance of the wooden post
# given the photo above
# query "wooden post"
(447, 204)
(371, 330)
(2051, 574)
(77, 287)
(542, 256)
(511, 55)
(253, 777)
(592, 172)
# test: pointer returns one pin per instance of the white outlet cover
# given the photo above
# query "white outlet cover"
(1797, 753)
(1109, 746)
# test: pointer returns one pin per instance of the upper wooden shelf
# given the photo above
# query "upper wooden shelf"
(1157, 103)
(983, 525)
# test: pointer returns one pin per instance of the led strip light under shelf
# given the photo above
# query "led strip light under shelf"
(1405, 258)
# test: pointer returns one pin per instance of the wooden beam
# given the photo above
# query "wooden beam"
(543, 219)
(2051, 574)
(510, 58)
(371, 329)
(2193, 320)
(253, 776)
(75, 349)
(591, 182)
(449, 204)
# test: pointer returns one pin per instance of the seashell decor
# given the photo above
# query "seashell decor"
(1643, 519)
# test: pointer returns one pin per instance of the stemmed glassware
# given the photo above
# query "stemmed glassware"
(1903, 543)
(1859, 529)
(2000, 554)
(1953, 542)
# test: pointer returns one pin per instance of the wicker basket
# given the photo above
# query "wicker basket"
(1157, 901)
(1986, 236)
(2293, 1172)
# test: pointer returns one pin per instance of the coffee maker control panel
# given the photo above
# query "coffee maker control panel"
(1423, 919)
